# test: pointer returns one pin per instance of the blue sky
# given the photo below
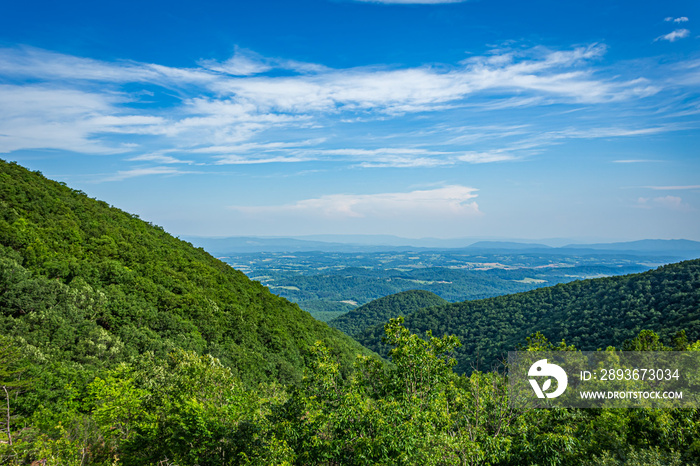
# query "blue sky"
(445, 119)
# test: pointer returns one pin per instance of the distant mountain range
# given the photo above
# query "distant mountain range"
(646, 245)
(680, 248)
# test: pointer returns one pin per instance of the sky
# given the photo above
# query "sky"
(415, 118)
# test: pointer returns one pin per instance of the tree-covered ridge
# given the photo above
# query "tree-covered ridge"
(106, 322)
(381, 310)
(85, 282)
(188, 409)
(589, 314)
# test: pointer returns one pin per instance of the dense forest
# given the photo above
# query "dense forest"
(589, 314)
(383, 309)
(188, 409)
(121, 345)
(84, 282)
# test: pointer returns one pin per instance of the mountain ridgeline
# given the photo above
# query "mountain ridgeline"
(381, 310)
(87, 283)
(589, 314)
(120, 344)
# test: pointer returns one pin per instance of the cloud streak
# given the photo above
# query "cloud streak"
(218, 112)
(675, 35)
(673, 188)
(146, 171)
(49, 117)
(455, 200)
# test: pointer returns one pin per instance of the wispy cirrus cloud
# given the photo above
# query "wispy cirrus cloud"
(159, 157)
(48, 117)
(421, 89)
(217, 112)
(375, 88)
(240, 160)
(635, 161)
(248, 63)
(673, 188)
(487, 157)
(146, 171)
(674, 35)
(396, 157)
(56, 67)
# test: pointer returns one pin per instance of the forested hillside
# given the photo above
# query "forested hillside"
(87, 283)
(121, 345)
(383, 309)
(589, 314)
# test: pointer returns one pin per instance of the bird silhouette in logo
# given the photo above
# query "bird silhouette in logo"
(543, 369)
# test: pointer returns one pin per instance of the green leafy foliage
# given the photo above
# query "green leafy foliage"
(191, 410)
(84, 282)
(12, 382)
(120, 345)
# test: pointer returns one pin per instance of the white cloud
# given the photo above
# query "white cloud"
(81, 104)
(665, 202)
(486, 157)
(158, 157)
(675, 35)
(673, 188)
(248, 63)
(243, 63)
(47, 65)
(240, 160)
(669, 202)
(682, 19)
(634, 161)
(44, 117)
(146, 171)
(326, 90)
(426, 88)
(259, 147)
(380, 152)
(397, 161)
(456, 201)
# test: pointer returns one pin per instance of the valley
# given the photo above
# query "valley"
(328, 284)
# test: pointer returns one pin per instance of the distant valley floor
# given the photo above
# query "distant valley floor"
(329, 284)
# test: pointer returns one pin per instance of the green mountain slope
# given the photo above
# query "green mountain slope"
(85, 282)
(589, 314)
(381, 310)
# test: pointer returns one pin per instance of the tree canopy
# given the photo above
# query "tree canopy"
(589, 314)
(381, 310)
